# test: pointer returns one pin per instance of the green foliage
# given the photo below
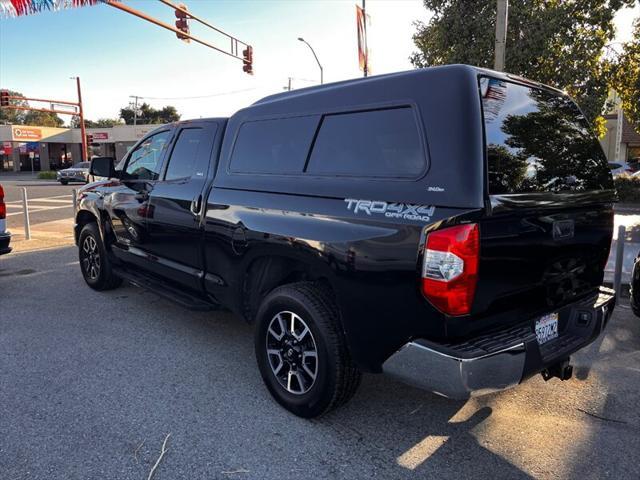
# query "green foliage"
(10, 116)
(559, 43)
(47, 175)
(628, 188)
(42, 119)
(149, 115)
(625, 77)
(26, 117)
(100, 123)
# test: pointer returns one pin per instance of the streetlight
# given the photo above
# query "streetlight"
(316, 57)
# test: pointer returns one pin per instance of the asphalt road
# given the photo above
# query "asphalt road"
(91, 383)
(48, 200)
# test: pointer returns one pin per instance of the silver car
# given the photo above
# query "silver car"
(78, 173)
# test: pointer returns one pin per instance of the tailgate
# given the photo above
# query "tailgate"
(539, 260)
(547, 233)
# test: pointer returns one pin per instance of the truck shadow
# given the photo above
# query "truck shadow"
(195, 375)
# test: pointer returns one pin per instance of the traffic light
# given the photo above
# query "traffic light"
(182, 22)
(247, 60)
(89, 139)
(4, 98)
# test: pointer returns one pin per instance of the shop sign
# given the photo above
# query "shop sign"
(100, 135)
(26, 133)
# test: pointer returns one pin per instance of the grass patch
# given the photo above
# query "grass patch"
(47, 175)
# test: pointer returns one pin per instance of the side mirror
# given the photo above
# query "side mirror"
(102, 167)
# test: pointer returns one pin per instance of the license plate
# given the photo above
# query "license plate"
(547, 328)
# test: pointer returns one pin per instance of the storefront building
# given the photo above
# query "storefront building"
(33, 148)
(629, 147)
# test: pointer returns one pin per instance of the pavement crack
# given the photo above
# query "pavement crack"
(606, 419)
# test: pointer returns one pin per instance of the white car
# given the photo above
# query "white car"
(78, 173)
(5, 237)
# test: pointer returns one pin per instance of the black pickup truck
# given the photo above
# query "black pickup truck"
(448, 226)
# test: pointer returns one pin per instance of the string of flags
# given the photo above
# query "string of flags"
(17, 8)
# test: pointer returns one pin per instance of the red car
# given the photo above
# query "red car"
(5, 237)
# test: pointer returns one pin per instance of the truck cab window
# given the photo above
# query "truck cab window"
(183, 161)
(145, 160)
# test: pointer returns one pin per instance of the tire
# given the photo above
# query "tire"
(94, 262)
(64, 182)
(336, 376)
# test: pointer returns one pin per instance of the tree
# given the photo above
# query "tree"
(149, 115)
(27, 117)
(10, 116)
(559, 43)
(100, 123)
(625, 77)
(42, 119)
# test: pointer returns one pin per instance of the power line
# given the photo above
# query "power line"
(200, 96)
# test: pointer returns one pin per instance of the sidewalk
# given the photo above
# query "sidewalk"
(57, 233)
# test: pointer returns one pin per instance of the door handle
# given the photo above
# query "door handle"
(196, 205)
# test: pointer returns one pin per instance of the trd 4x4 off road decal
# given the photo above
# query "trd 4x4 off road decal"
(405, 211)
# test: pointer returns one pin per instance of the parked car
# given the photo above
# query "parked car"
(634, 287)
(78, 173)
(409, 223)
(5, 237)
(621, 168)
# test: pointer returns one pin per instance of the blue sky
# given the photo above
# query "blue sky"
(117, 55)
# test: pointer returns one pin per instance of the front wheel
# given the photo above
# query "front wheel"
(301, 351)
(94, 263)
(64, 182)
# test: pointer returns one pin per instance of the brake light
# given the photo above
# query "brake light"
(3, 207)
(450, 268)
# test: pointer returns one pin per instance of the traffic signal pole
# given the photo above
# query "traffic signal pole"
(235, 44)
(83, 132)
(5, 98)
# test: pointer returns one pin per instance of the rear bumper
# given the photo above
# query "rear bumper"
(500, 359)
(5, 240)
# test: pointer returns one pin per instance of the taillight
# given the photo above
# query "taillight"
(450, 268)
(3, 207)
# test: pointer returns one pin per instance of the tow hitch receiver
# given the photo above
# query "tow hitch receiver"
(563, 370)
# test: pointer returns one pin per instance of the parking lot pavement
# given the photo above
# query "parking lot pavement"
(91, 383)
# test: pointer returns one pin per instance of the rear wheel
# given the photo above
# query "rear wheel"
(64, 182)
(301, 352)
(94, 263)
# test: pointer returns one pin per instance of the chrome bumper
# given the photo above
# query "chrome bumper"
(457, 378)
(469, 369)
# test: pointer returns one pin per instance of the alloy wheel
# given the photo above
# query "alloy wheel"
(292, 352)
(91, 257)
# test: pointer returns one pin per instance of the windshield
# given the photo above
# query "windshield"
(538, 141)
(81, 165)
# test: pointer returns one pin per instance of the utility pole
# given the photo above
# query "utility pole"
(135, 109)
(619, 125)
(501, 34)
(288, 87)
(83, 132)
(366, 43)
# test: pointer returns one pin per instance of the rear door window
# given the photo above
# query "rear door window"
(184, 157)
(538, 141)
(376, 143)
